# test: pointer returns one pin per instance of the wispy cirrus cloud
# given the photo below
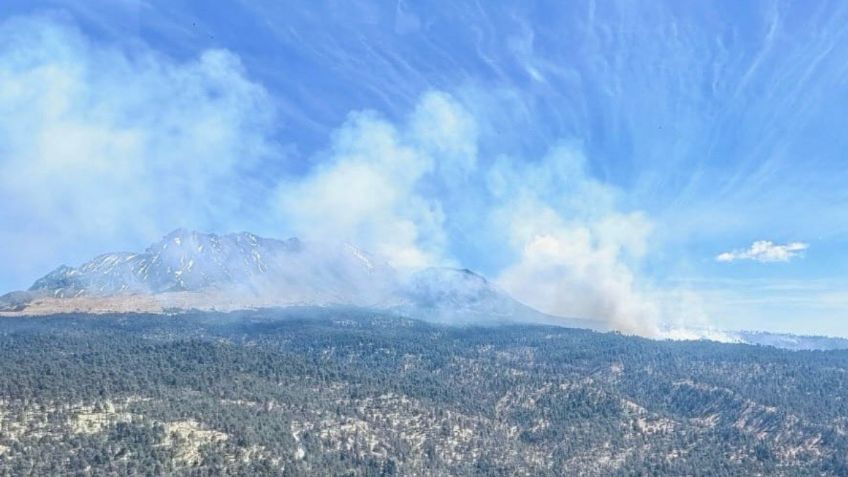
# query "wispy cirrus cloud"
(765, 251)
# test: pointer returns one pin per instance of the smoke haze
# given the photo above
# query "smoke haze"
(106, 146)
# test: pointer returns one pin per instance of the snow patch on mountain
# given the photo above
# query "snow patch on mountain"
(207, 271)
(192, 270)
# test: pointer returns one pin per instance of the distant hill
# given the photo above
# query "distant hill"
(231, 264)
(790, 341)
(190, 270)
(194, 270)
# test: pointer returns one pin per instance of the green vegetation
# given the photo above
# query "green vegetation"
(346, 392)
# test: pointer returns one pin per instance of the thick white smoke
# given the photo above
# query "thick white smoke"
(369, 187)
(103, 147)
(577, 254)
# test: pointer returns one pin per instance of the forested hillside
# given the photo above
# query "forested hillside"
(347, 392)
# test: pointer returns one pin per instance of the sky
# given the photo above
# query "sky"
(658, 165)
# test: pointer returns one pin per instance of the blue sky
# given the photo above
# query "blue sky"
(593, 158)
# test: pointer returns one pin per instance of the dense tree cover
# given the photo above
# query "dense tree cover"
(347, 392)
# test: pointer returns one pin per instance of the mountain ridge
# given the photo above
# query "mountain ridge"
(188, 270)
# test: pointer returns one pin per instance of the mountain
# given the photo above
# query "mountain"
(193, 270)
(189, 270)
(445, 292)
(790, 341)
(242, 263)
(451, 295)
(181, 261)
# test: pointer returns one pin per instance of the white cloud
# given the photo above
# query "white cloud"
(765, 251)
